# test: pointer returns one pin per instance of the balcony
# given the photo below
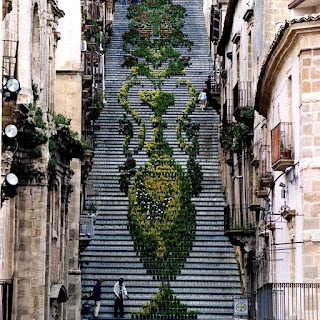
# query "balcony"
(242, 97)
(265, 174)
(283, 301)
(239, 225)
(281, 143)
(86, 230)
(227, 112)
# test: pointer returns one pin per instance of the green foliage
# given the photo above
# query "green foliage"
(161, 214)
(97, 100)
(233, 137)
(96, 31)
(127, 171)
(142, 138)
(158, 100)
(92, 208)
(52, 145)
(52, 164)
(247, 117)
(35, 114)
(196, 176)
(165, 303)
(61, 119)
(78, 148)
(36, 152)
(125, 126)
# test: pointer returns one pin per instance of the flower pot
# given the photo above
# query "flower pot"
(285, 154)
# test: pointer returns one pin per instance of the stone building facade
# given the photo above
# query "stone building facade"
(46, 153)
(268, 97)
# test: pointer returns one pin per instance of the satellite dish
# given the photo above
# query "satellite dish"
(12, 179)
(11, 131)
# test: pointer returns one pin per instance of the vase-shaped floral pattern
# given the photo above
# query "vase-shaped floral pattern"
(161, 214)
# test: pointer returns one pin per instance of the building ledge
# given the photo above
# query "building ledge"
(282, 164)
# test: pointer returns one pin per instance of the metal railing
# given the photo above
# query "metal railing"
(242, 95)
(265, 161)
(238, 218)
(288, 301)
(282, 141)
(227, 112)
(86, 226)
(6, 292)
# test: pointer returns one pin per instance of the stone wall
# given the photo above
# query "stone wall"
(310, 164)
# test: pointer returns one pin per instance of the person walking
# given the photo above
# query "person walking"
(203, 98)
(119, 291)
(96, 295)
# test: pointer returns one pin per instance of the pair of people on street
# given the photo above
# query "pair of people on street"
(120, 292)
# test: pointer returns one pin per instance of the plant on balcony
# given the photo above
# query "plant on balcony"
(96, 33)
(286, 153)
(233, 137)
(247, 117)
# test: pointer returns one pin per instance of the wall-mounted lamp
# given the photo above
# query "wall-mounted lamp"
(291, 174)
(11, 88)
(9, 134)
(9, 186)
(11, 131)
(283, 191)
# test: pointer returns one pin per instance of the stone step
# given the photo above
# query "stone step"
(209, 280)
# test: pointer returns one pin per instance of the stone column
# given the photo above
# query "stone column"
(29, 286)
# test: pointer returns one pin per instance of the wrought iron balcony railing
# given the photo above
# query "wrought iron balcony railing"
(285, 301)
(265, 172)
(227, 112)
(242, 96)
(238, 219)
(281, 144)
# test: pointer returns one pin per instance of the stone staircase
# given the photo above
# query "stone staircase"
(209, 281)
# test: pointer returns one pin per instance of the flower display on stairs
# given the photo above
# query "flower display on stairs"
(161, 215)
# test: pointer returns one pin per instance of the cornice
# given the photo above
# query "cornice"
(57, 12)
(281, 46)
(227, 26)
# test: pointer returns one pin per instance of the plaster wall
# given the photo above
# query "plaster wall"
(69, 103)
(69, 46)
(295, 98)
